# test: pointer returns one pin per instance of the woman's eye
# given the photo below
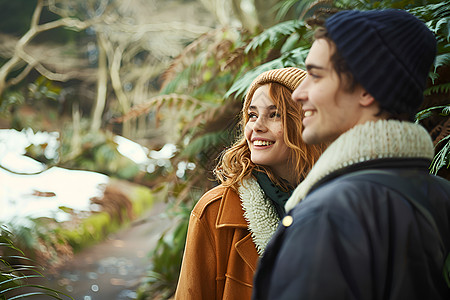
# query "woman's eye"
(252, 116)
(275, 115)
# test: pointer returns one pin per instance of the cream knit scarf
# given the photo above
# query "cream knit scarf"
(259, 213)
(371, 140)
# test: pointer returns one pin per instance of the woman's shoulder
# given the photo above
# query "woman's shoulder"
(214, 197)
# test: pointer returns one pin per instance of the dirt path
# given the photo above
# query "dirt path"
(112, 269)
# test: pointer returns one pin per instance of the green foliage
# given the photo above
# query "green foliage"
(202, 143)
(91, 230)
(437, 18)
(162, 278)
(95, 151)
(142, 199)
(436, 14)
(442, 59)
(10, 99)
(426, 113)
(179, 83)
(439, 88)
(275, 36)
(17, 273)
(43, 88)
(295, 57)
(442, 157)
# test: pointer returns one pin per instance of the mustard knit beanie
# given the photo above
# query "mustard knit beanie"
(289, 77)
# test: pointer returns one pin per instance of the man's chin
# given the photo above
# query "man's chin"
(309, 137)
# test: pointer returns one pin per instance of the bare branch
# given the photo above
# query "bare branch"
(37, 13)
(20, 77)
(20, 56)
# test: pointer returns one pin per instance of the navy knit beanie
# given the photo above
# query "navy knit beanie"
(389, 52)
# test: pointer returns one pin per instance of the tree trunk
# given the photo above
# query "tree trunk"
(102, 84)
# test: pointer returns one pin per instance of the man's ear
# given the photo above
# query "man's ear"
(365, 99)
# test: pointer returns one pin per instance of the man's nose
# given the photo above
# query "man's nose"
(301, 93)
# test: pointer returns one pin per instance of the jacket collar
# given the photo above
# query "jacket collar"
(365, 142)
(227, 216)
(259, 212)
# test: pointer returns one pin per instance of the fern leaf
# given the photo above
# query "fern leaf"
(222, 117)
(294, 58)
(283, 8)
(423, 114)
(436, 17)
(157, 102)
(441, 159)
(204, 142)
(442, 60)
(440, 88)
(274, 35)
(184, 58)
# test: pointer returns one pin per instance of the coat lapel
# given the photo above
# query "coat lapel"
(229, 206)
(246, 249)
(228, 216)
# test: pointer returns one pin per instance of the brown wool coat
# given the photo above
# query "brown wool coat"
(220, 257)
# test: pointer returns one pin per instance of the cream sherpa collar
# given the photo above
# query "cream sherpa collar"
(259, 213)
(371, 140)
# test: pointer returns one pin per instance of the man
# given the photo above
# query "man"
(369, 221)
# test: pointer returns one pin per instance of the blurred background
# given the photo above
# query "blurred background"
(113, 114)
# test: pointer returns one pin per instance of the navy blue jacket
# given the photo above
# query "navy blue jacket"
(354, 239)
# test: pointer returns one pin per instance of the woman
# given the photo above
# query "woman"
(231, 224)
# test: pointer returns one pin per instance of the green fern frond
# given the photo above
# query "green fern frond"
(213, 89)
(441, 159)
(178, 101)
(222, 117)
(434, 10)
(171, 85)
(440, 88)
(436, 17)
(204, 142)
(303, 9)
(14, 277)
(446, 110)
(442, 60)
(185, 57)
(274, 35)
(185, 76)
(294, 58)
(240, 86)
(283, 8)
(423, 114)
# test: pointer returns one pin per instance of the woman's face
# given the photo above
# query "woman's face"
(264, 133)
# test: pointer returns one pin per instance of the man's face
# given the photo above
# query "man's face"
(329, 110)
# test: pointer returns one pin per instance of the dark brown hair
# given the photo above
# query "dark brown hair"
(338, 62)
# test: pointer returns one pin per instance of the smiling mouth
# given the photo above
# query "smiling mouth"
(262, 143)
